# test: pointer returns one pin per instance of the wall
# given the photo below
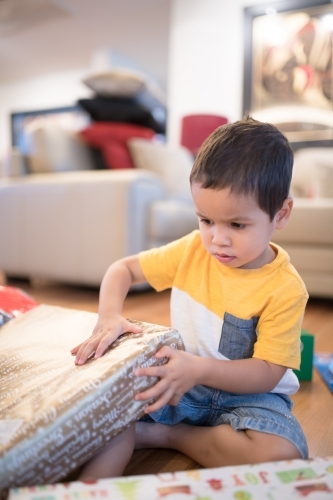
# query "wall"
(205, 69)
(51, 91)
(205, 59)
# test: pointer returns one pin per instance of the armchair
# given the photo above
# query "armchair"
(308, 236)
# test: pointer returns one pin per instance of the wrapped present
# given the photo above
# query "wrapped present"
(285, 480)
(55, 415)
(14, 302)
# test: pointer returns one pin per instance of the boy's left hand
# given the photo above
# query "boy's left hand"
(177, 377)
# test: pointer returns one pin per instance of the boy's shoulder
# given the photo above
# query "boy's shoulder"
(286, 272)
(189, 241)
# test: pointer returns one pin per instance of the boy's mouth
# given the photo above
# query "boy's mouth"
(223, 258)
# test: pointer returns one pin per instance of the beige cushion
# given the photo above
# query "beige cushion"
(324, 180)
(71, 226)
(54, 149)
(310, 223)
(313, 173)
(117, 82)
(314, 263)
(16, 164)
(122, 82)
(172, 164)
(169, 220)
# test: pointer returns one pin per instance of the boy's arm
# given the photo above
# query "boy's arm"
(115, 285)
(258, 374)
(184, 370)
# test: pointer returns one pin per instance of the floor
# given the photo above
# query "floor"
(313, 404)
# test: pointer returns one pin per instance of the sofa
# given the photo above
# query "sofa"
(69, 222)
(308, 236)
(62, 220)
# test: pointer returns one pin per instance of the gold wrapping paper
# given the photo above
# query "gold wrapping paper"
(55, 415)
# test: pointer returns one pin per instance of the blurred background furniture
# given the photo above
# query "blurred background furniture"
(66, 221)
(126, 96)
(308, 236)
(69, 222)
(197, 127)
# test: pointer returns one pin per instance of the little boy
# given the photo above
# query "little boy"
(238, 304)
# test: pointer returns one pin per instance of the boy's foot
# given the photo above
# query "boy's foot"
(151, 435)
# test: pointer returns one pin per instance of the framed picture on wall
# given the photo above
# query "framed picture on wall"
(72, 118)
(288, 66)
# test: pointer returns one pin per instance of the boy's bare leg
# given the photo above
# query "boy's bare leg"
(216, 446)
(112, 459)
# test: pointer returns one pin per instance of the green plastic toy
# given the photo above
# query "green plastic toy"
(307, 349)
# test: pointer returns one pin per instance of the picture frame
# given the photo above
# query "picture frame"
(71, 117)
(288, 67)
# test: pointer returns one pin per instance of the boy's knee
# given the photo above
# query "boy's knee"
(270, 448)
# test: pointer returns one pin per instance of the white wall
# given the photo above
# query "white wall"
(205, 69)
(205, 59)
(51, 91)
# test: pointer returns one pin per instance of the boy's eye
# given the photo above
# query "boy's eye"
(207, 222)
(237, 225)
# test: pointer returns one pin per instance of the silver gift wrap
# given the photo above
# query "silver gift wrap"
(55, 415)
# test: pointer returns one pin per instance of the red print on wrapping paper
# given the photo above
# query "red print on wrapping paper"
(165, 478)
(215, 484)
(172, 489)
(263, 475)
(238, 482)
(306, 489)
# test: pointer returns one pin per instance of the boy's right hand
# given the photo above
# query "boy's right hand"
(106, 331)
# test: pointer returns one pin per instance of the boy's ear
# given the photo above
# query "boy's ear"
(283, 214)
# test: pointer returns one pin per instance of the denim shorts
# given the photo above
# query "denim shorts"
(204, 406)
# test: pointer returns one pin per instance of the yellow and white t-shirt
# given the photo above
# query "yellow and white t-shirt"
(231, 313)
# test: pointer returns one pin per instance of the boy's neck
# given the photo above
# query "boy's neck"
(266, 257)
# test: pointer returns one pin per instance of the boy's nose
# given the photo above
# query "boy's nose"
(221, 237)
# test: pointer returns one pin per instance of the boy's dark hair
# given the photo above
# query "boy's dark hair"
(249, 157)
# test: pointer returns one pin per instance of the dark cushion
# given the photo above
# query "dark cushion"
(119, 109)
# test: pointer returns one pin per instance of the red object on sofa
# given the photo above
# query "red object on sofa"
(15, 301)
(111, 138)
(196, 128)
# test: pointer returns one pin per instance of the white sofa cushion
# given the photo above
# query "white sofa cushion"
(311, 258)
(16, 166)
(310, 223)
(54, 149)
(172, 164)
(169, 220)
(324, 180)
(313, 173)
(71, 226)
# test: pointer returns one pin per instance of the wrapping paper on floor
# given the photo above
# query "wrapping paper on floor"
(287, 480)
(55, 415)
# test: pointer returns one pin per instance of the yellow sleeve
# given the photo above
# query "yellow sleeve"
(160, 265)
(279, 333)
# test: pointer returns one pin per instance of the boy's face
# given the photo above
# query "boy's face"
(234, 229)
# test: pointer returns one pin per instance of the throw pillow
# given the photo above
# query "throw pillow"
(117, 82)
(313, 172)
(116, 155)
(16, 164)
(54, 149)
(172, 164)
(324, 180)
(121, 109)
(111, 139)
